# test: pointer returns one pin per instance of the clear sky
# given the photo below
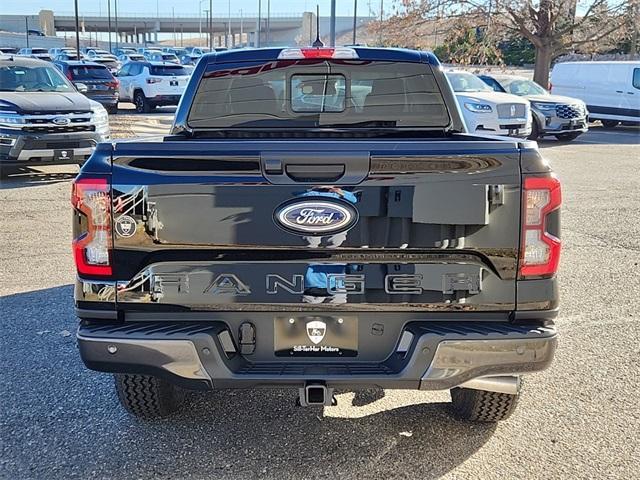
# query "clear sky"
(184, 7)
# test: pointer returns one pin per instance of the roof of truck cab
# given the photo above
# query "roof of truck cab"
(364, 53)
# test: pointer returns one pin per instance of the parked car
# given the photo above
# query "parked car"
(39, 53)
(611, 90)
(44, 119)
(124, 51)
(175, 50)
(563, 117)
(93, 53)
(197, 51)
(487, 111)
(330, 238)
(131, 57)
(8, 50)
(68, 55)
(161, 57)
(101, 85)
(54, 52)
(189, 59)
(152, 84)
(36, 33)
(112, 64)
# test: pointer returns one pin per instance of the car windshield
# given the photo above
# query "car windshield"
(168, 70)
(90, 72)
(15, 78)
(169, 57)
(467, 82)
(39, 50)
(319, 94)
(520, 86)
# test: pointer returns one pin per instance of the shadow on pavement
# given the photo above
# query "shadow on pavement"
(28, 177)
(597, 134)
(60, 420)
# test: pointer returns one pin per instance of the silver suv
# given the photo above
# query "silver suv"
(563, 117)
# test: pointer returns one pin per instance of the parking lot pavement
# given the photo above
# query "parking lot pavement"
(579, 419)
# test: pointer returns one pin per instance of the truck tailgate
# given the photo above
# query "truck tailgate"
(428, 225)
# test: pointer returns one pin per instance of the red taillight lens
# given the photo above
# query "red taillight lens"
(114, 84)
(152, 80)
(317, 52)
(69, 75)
(539, 249)
(92, 248)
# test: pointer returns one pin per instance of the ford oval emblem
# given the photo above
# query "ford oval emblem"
(318, 216)
(61, 121)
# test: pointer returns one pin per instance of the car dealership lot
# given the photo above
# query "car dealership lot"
(580, 418)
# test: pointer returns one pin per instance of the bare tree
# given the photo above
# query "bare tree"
(554, 27)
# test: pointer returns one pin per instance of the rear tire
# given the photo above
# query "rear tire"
(112, 109)
(147, 397)
(568, 137)
(610, 123)
(482, 406)
(141, 102)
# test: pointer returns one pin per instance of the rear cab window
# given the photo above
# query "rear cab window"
(90, 72)
(318, 93)
(168, 70)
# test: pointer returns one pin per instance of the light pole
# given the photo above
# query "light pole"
(259, 26)
(355, 16)
(268, 22)
(108, 24)
(115, 7)
(210, 24)
(332, 27)
(75, 2)
(229, 41)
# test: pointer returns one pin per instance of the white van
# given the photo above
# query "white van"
(611, 90)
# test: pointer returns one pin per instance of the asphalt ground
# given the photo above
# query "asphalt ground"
(579, 419)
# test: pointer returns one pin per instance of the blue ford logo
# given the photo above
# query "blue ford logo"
(316, 217)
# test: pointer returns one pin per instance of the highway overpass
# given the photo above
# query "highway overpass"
(278, 29)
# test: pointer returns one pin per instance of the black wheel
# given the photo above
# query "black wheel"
(141, 102)
(147, 397)
(567, 137)
(111, 109)
(482, 406)
(535, 131)
(610, 123)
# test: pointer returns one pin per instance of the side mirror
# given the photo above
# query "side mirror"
(82, 88)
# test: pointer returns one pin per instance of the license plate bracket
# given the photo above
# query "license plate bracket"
(316, 336)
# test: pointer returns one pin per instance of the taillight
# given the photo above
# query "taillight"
(69, 75)
(92, 247)
(539, 249)
(151, 80)
(115, 83)
(318, 52)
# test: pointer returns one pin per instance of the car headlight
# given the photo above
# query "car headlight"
(478, 107)
(544, 107)
(11, 119)
(100, 119)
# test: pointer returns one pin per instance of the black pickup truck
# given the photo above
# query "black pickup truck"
(318, 218)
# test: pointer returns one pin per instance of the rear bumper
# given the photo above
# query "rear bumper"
(437, 356)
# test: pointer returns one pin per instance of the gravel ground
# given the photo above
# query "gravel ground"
(579, 419)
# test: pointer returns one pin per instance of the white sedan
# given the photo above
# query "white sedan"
(485, 110)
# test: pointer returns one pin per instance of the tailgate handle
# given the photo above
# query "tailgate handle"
(315, 173)
(335, 167)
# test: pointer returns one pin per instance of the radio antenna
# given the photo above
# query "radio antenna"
(317, 42)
